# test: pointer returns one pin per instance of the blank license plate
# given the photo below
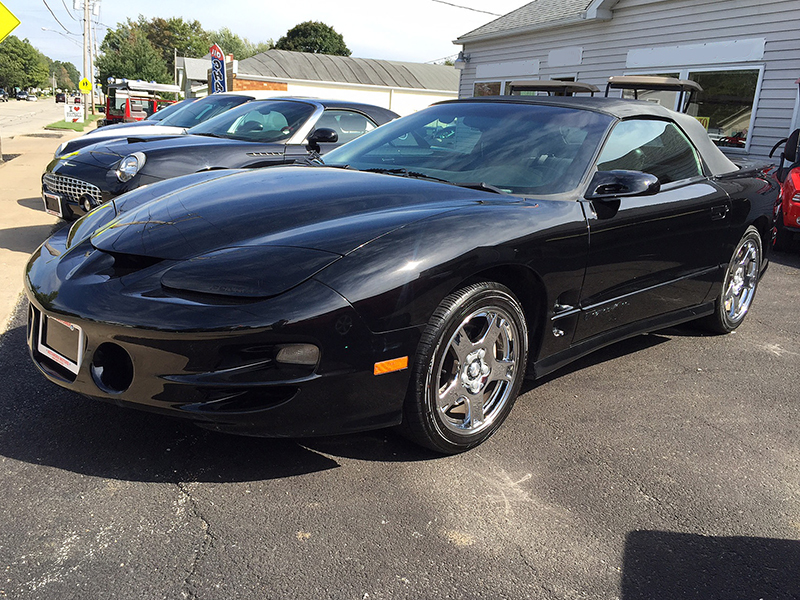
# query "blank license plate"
(61, 342)
(52, 204)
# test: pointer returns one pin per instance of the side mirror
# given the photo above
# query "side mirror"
(608, 185)
(323, 135)
(791, 149)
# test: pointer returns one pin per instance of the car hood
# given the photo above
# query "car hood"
(317, 208)
(155, 147)
(105, 138)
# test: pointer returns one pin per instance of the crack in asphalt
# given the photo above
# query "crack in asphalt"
(205, 546)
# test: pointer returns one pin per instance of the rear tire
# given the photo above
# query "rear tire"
(739, 286)
(468, 370)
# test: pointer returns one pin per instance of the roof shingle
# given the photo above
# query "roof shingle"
(347, 69)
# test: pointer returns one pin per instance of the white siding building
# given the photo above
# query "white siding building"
(743, 53)
(399, 86)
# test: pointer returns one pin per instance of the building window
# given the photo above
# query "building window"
(487, 88)
(725, 106)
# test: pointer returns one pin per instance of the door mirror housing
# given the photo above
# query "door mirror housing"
(607, 185)
(323, 135)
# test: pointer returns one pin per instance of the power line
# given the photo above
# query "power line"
(56, 18)
(64, 2)
(486, 12)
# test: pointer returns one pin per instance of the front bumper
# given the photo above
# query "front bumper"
(216, 364)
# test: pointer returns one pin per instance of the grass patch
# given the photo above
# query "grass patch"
(74, 126)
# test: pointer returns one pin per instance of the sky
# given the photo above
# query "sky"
(407, 30)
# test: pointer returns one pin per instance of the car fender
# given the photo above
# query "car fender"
(399, 279)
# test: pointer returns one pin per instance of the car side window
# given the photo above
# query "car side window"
(656, 147)
(347, 124)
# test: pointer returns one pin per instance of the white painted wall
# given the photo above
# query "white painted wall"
(403, 101)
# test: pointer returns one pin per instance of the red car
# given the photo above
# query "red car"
(787, 215)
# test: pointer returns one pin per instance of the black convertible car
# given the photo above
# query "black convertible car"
(257, 133)
(411, 278)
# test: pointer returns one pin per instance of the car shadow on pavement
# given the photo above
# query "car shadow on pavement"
(32, 203)
(25, 239)
(612, 352)
(788, 259)
(660, 565)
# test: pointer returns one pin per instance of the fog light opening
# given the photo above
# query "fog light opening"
(298, 354)
(112, 368)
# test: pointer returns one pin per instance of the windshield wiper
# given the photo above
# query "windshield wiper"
(481, 185)
(406, 173)
(214, 135)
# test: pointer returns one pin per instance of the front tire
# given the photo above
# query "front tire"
(468, 370)
(739, 286)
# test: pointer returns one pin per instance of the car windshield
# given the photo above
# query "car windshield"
(515, 148)
(202, 110)
(258, 121)
(169, 109)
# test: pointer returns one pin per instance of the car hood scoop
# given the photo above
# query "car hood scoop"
(319, 208)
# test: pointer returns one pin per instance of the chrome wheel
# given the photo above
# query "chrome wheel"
(740, 283)
(471, 380)
(468, 370)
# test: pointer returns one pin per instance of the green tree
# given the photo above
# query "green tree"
(174, 35)
(67, 75)
(127, 53)
(314, 37)
(241, 48)
(22, 65)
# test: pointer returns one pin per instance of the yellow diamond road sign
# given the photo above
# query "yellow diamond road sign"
(7, 22)
(85, 86)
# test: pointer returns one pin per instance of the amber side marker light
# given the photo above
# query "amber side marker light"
(389, 366)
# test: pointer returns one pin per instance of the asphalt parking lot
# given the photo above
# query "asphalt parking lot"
(663, 467)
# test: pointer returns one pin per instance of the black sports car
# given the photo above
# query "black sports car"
(411, 278)
(258, 133)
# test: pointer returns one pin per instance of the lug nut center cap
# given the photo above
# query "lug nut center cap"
(475, 371)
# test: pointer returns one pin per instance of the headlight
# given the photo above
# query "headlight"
(247, 272)
(129, 166)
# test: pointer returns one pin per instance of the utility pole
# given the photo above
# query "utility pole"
(87, 26)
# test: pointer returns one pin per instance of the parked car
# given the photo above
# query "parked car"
(258, 133)
(182, 118)
(3, 95)
(397, 282)
(61, 97)
(32, 97)
(167, 109)
(22, 95)
(787, 210)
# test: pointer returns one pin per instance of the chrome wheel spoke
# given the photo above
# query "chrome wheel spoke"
(451, 396)
(493, 331)
(501, 370)
(461, 344)
(475, 415)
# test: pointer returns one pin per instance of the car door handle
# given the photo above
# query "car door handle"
(719, 212)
